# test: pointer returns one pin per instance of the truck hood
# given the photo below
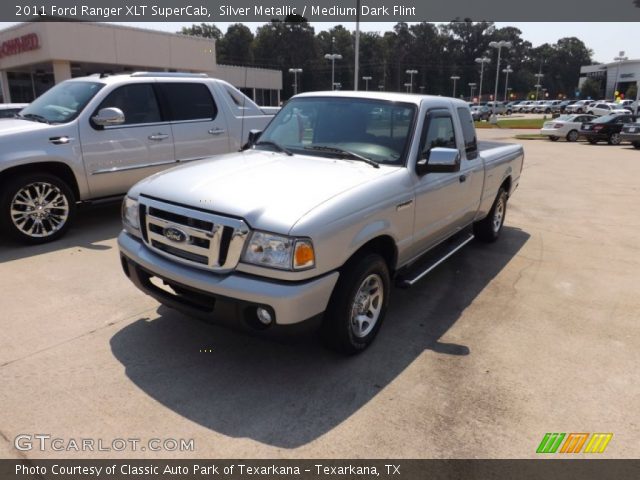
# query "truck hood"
(271, 191)
(10, 126)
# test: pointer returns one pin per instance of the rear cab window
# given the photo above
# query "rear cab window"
(187, 101)
(468, 133)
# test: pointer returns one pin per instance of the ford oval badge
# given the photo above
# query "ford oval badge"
(174, 234)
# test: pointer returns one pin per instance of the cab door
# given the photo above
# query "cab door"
(116, 157)
(443, 201)
(199, 128)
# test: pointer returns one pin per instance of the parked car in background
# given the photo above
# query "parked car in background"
(605, 108)
(566, 126)
(510, 106)
(499, 108)
(579, 106)
(91, 138)
(480, 112)
(631, 133)
(9, 110)
(546, 106)
(606, 128)
(519, 107)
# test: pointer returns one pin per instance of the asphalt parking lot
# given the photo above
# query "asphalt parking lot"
(536, 333)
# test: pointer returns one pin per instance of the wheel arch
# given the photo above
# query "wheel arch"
(59, 169)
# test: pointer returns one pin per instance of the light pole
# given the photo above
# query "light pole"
(411, 73)
(498, 45)
(408, 86)
(620, 58)
(295, 72)
(455, 78)
(472, 88)
(539, 84)
(481, 61)
(507, 70)
(356, 69)
(366, 83)
(333, 57)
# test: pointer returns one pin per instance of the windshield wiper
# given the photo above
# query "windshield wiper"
(33, 116)
(344, 153)
(278, 147)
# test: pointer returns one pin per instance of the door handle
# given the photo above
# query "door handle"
(462, 178)
(216, 131)
(158, 137)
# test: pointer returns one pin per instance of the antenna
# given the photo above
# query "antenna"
(244, 102)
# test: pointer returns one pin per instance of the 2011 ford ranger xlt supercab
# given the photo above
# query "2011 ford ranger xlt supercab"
(342, 193)
(90, 139)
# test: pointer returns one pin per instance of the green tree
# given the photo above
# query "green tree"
(590, 88)
(206, 30)
(236, 45)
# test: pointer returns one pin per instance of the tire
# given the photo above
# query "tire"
(614, 139)
(43, 208)
(553, 138)
(508, 112)
(572, 136)
(580, 110)
(636, 145)
(488, 229)
(592, 141)
(340, 329)
(547, 111)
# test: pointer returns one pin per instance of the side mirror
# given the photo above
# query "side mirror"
(254, 135)
(108, 116)
(438, 160)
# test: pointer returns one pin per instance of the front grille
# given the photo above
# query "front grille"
(194, 237)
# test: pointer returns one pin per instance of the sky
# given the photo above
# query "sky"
(600, 37)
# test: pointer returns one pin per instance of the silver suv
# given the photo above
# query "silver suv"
(92, 138)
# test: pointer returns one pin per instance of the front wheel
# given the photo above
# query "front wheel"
(488, 229)
(36, 208)
(358, 305)
(636, 145)
(553, 138)
(572, 136)
(614, 139)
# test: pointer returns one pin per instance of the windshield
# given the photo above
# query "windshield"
(375, 129)
(62, 103)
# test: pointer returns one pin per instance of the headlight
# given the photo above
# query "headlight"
(130, 213)
(277, 251)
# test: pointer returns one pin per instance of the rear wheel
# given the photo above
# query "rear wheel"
(572, 136)
(36, 208)
(636, 145)
(488, 229)
(553, 138)
(580, 110)
(614, 139)
(358, 305)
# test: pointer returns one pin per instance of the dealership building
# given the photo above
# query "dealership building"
(35, 56)
(623, 74)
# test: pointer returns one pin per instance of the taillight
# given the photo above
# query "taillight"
(557, 125)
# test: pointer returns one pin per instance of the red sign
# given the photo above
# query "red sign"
(18, 45)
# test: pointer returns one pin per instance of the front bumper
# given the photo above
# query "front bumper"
(203, 292)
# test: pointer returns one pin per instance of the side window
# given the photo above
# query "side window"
(138, 103)
(439, 132)
(189, 101)
(468, 133)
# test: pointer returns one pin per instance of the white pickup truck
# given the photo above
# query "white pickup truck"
(90, 139)
(343, 192)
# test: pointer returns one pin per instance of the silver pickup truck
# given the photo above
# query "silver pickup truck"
(92, 138)
(341, 194)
